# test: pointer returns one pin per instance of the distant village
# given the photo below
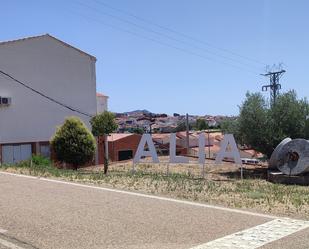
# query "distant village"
(123, 143)
(143, 121)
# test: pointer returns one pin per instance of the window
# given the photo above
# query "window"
(45, 150)
(125, 155)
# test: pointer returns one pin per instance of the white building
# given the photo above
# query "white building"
(53, 68)
(102, 103)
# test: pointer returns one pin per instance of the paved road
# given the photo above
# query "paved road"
(40, 213)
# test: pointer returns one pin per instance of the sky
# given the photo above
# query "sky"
(185, 56)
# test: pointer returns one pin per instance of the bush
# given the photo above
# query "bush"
(40, 160)
(73, 143)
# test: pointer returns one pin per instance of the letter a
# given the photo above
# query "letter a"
(146, 139)
(233, 153)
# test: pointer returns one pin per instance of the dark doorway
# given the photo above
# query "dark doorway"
(125, 155)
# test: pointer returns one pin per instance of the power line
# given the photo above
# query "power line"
(179, 33)
(164, 43)
(161, 42)
(162, 34)
(43, 95)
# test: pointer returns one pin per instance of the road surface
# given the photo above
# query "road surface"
(44, 213)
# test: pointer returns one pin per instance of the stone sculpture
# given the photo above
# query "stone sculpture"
(291, 157)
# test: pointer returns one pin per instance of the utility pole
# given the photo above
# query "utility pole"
(274, 85)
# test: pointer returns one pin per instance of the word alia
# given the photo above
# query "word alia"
(228, 149)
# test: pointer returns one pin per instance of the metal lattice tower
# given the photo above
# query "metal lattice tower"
(274, 84)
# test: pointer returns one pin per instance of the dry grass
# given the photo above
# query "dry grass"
(221, 185)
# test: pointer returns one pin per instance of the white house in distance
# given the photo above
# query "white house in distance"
(54, 68)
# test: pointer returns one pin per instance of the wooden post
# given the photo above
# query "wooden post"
(106, 154)
(106, 146)
(241, 172)
(133, 167)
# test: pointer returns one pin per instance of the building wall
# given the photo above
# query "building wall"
(102, 104)
(54, 69)
(128, 143)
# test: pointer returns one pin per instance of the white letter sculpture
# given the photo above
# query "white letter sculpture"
(201, 148)
(233, 153)
(146, 139)
(173, 157)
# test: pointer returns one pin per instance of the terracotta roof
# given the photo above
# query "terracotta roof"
(212, 148)
(117, 136)
(160, 135)
(253, 153)
(50, 36)
(101, 95)
(214, 135)
(183, 134)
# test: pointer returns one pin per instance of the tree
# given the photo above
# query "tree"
(201, 124)
(138, 130)
(254, 123)
(182, 127)
(102, 125)
(306, 129)
(231, 126)
(263, 128)
(73, 143)
(289, 116)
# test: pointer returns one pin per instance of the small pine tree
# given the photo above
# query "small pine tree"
(102, 125)
(73, 143)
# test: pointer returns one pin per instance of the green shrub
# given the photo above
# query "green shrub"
(40, 160)
(73, 143)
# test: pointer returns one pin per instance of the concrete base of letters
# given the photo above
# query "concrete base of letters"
(279, 177)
